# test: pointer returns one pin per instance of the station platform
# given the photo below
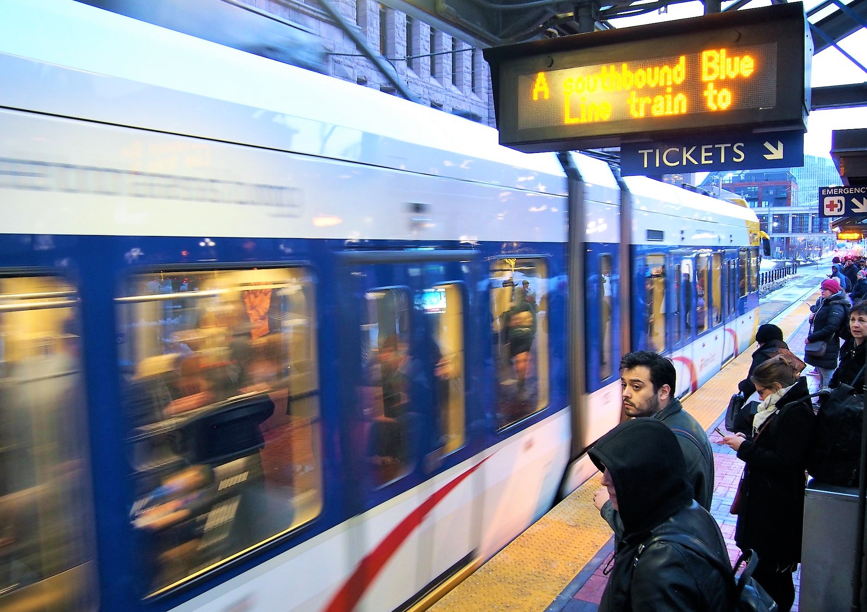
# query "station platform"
(558, 564)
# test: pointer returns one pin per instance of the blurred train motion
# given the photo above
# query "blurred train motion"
(272, 341)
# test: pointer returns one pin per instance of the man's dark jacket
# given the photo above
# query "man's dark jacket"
(850, 371)
(649, 475)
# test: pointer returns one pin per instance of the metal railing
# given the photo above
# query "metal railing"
(771, 277)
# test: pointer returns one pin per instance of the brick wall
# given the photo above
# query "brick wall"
(461, 86)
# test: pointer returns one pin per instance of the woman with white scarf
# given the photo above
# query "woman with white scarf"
(770, 501)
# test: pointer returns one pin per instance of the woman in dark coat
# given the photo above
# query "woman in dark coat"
(853, 352)
(825, 327)
(771, 495)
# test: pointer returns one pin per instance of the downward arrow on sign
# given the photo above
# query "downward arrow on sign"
(859, 207)
(775, 152)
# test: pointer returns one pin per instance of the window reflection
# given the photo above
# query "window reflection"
(222, 392)
(45, 514)
(743, 272)
(654, 295)
(606, 296)
(444, 305)
(702, 276)
(678, 305)
(754, 269)
(716, 289)
(390, 422)
(519, 305)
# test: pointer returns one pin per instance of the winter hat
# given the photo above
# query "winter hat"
(831, 285)
(768, 332)
(862, 273)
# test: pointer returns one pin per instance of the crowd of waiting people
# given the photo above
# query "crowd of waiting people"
(658, 471)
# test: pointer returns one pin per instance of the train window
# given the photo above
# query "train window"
(716, 310)
(444, 304)
(732, 287)
(678, 305)
(46, 551)
(605, 308)
(701, 283)
(754, 269)
(222, 392)
(389, 420)
(743, 271)
(654, 293)
(519, 305)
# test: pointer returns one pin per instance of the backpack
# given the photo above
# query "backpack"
(836, 454)
(747, 594)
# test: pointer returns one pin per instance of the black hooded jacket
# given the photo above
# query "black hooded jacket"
(645, 463)
(826, 326)
(850, 371)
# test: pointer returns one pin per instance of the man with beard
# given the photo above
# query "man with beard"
(647, 382)
(671, 555)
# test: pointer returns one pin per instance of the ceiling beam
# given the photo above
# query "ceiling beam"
(838, 25)
(839, 96)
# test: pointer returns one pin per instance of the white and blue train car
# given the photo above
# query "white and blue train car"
(269, 340)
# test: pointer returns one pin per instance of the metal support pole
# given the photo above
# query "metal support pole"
(575, 253)
(712, 6)
(862, 508)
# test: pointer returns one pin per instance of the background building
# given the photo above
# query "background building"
(786, 201)
(439, 70)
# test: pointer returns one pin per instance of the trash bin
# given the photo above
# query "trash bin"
(828, 549)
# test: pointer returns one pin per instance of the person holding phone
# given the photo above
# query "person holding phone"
(770, 500)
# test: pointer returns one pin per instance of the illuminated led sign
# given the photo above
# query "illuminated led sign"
(849, 236)
(741, 69)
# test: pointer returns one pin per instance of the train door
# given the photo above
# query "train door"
(46, 522)
(683, 267)
(730, 304)
(601, 316)
(718, 342)
(403, 330)
(678, 288)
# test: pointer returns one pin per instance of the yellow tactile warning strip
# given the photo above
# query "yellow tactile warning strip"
(537, 566)
(531, 571)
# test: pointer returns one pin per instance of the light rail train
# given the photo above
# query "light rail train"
(273, 341)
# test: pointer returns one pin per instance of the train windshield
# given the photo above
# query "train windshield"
(222, 391)
(46, 551)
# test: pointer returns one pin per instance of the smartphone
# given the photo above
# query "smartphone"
(717, 429)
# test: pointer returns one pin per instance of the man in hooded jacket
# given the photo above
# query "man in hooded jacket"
(645, 474)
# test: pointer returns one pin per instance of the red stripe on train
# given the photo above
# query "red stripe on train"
(353, 589)
(693, 385)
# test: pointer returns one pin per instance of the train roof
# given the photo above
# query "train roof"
(664, 198)
(113, 69)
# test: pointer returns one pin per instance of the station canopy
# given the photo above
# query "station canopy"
(835, 24)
